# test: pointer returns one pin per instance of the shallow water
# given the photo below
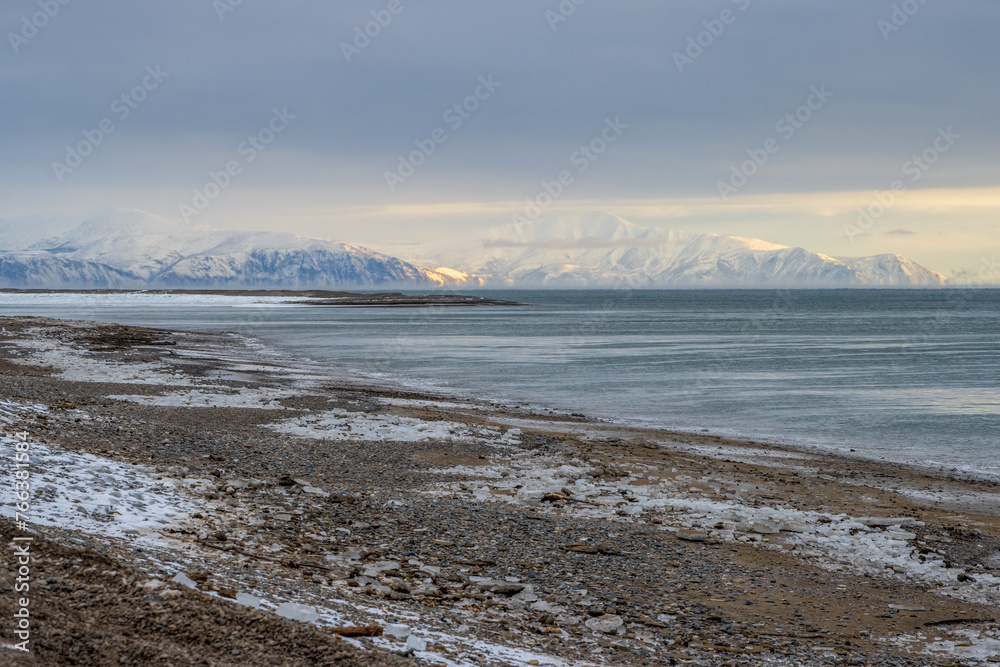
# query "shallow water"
(902, 374)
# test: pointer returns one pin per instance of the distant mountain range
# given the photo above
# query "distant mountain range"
(600, 249)
(132, 249)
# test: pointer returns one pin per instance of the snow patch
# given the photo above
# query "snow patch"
(339, 424)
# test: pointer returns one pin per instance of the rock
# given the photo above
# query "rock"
(904, 607)
(606, 624)
(691, 535)
(184, 580)
(508, 589)
(297, 612)
(397, 630)
(582, 548)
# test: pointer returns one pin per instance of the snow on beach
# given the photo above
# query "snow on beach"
(709, 507)
(93, 494)
(135, 505)
(340, 424)
(258, 398)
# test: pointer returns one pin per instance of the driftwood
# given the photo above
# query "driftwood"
(358, 631)
(957, 621)
(558, 497)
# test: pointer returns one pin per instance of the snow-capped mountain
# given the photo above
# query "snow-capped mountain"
(132, 249)
(600, 249)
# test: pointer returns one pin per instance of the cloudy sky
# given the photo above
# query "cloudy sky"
(379, 121)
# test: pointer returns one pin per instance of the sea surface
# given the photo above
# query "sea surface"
(906, 375)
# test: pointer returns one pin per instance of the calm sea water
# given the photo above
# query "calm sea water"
(905, 375)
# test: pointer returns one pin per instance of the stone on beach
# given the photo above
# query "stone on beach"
(606, 624)
(691, 535)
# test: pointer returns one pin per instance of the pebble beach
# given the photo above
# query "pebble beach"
(252, 509)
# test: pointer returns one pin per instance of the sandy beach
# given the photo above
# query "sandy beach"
(197, 499)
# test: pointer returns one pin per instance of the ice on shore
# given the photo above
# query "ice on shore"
(972, 646)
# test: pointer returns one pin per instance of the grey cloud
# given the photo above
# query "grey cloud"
(606, 59)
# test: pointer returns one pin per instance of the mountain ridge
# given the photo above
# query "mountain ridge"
(600, 249)
(132, 249)
(135, 250)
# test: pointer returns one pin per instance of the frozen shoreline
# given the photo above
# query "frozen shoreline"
(261, 316)
(589, 472)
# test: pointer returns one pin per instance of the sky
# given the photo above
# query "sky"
(853, 127)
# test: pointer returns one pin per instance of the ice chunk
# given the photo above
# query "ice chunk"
(396, 630)
(248, 600)
(151, 585)
(886, 521)
(297, 612)
(416, 643)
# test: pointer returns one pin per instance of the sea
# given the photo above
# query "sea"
(903, 375)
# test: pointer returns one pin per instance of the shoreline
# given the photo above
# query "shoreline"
(303, 297)
(707, 532)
